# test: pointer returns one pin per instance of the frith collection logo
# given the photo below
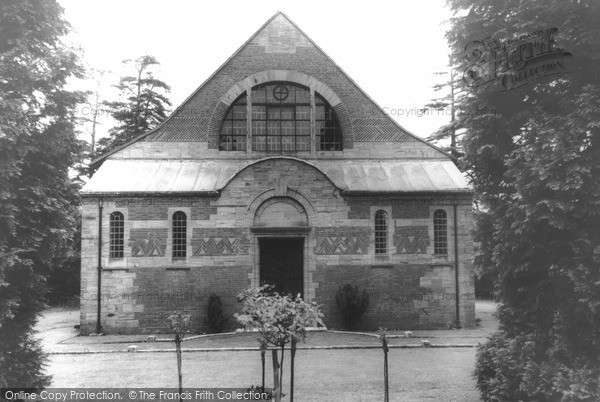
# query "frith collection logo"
(510, 64)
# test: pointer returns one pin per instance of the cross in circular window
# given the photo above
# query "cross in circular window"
(280, 93)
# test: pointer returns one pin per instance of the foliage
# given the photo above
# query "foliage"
(38, 200)
(215, 318)
(279, 320)
(352, 304)
(64, 279)
(142, 106)
(180, 325)
(449, 100)
(534, 166)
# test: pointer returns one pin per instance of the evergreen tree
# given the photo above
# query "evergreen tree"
(535, 161)
(38, 201)
(142, 106)
(448, 136)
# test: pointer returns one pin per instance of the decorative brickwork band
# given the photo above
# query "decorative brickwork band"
(379, 130)
(411, 239)
(185, 125)
(353, 240)
(219, 242)
(148, 242)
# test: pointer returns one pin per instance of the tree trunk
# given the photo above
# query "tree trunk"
(385, 371)
(281, 371)
(293, 356)
(263, 352)
(178, 347)
(276, 385)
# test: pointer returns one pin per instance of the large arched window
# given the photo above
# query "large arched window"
(281, 121)
(179, 235)
(440, 235)
(116, 234)
(381, 232)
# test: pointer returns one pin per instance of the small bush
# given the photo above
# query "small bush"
(352, 304)
(215, 318)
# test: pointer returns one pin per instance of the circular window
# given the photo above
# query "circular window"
(280, 93)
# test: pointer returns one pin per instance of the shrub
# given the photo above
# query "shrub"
(215, 319)
(279, 320)
(510, 369)
(352, 304)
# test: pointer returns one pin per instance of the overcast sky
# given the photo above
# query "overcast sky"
(391, 49)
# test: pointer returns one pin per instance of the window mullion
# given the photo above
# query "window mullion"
(313, 147)
(249, 121)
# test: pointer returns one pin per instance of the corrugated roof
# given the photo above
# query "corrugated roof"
(161, 176)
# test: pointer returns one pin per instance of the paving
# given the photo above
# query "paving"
(56, 330)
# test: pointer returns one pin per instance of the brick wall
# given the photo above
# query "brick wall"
(409, 289)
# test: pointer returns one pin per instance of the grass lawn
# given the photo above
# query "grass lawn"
(333, 375)
(421, 374)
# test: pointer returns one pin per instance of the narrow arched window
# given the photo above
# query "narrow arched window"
(179, 234)
(116, 235)
(381, 232)
(440, 232)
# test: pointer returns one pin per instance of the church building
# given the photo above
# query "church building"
(278, 169)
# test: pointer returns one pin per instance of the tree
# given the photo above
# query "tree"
(180, 325)
(94, 107)
(534, 163)
(38, 200)
(279, 320)
(448, 100)
(142, 106)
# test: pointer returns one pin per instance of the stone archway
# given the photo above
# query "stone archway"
(280, 226)
(280, 212)
(291, 76)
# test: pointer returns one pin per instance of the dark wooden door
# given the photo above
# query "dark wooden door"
(282, 264)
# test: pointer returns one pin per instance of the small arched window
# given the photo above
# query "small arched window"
(116, 235)
(440, 232)
(381, 232)
(280, 120)
(179, 235)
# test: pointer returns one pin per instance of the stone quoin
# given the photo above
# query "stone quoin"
(277, 169)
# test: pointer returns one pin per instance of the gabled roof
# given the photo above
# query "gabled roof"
(382, 133)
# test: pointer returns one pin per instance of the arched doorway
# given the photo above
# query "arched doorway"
(281, 226)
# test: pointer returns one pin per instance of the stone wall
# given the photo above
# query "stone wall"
(409, 286)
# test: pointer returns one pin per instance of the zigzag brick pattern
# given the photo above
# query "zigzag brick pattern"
(342, 241)
(411, 239)
(148, 242)
(219, 242)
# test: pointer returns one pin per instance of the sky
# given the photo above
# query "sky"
(391, 49)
